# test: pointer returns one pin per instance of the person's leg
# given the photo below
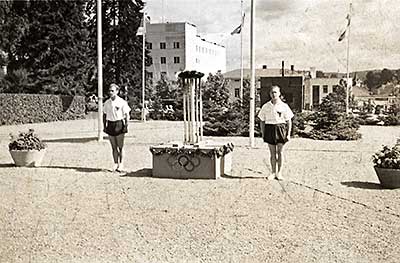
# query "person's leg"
(113, 141)
(279, 154)
(272, 151)
(120, 145)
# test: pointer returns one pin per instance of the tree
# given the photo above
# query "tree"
(386, 76)
(122, 49)
(331, 122)
(49, 42)
(373, 80)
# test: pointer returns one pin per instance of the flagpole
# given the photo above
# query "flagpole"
(241, 55)
(348, 83)
(144, 67)
(99, 71)
(253, 75)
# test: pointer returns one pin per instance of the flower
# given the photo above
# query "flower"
(26, 141)
(387, 157)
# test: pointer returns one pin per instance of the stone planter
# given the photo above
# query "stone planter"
(191, 162)
(389, 178)
(28, 158)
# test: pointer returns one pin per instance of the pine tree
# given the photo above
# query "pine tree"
(49, 43)
(122, 49)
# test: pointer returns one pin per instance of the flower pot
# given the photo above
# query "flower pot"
(29, 158)
(389, 178)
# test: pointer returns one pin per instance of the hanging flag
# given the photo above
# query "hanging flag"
(344, 33)
(142, 29)
(239, 28)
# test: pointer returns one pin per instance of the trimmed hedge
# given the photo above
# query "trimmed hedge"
(33, 108)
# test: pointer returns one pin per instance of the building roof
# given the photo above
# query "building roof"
(269, 72)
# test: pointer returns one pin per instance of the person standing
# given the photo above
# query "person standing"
(115, 120)
(276, 125)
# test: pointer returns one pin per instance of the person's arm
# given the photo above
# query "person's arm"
(289, 123)
(262, 123)
(104, 121)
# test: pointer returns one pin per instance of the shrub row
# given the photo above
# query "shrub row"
(32, 108)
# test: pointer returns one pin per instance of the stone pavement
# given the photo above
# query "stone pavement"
(330, 208)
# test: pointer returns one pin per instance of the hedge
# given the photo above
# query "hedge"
(34, 108)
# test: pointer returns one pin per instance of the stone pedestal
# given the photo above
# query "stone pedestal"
(191, 161)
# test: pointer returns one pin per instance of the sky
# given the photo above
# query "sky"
(303, 33)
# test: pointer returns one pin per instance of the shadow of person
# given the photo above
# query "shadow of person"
(79, 169)
(6, 165)
(71, 140)
(145, 172)
(363, 185)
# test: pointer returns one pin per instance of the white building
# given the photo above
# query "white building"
(176, 47)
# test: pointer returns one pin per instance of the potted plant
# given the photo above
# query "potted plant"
(27, 149)
(387, 165)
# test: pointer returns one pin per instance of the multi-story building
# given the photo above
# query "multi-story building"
(177, 46)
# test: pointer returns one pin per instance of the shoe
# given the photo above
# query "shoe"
(271, 177)
(120, 168)
(279, 177)
(115, 168)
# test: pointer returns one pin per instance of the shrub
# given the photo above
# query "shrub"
(26, 141)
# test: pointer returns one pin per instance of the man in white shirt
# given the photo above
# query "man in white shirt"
(276, 125)
(115, 120)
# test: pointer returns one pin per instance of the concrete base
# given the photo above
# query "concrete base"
(190, 161)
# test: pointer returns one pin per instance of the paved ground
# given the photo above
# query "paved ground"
(72, 209)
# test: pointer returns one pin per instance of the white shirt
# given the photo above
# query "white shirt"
(275, 113)
(116, 110)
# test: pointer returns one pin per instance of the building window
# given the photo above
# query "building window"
(177, 60)
(237, 93)
(149, 45)
(150, 75)
(163, 74)
(176, 44)
(197, 60)
(325, 88)
(334, 89)
(163, 45)
(163, 60)
(150, 60)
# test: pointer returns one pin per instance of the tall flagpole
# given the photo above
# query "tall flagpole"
(348, 82)
(241, 54)
(144, 67)
(99, 71)
(253, 75)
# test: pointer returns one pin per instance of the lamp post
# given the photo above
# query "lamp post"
(253, 75)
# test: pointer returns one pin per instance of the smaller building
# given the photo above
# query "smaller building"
(315, 89)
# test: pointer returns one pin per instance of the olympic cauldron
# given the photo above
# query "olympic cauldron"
(193, 158)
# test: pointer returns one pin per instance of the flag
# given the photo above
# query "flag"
(344, 33)
(239, 28)
(142, 28)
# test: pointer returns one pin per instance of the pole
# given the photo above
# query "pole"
(348, 82)
(241, 55)
(144, 67)
(99, 71)
(253, 75)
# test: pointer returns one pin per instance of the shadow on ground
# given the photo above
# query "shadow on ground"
(71, 140)
(362, 185)
(145, 172)
(6, 165)
(79, 169)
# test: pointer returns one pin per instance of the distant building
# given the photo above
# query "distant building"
(176, 47)
(315, 89)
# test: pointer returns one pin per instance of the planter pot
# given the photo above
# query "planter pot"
(29, 158)
(389, 178)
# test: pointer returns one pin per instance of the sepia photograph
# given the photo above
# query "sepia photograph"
(237, 131)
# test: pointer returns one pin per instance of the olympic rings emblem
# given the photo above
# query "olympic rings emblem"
(183, 161)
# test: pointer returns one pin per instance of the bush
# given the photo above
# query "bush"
(31, 108)
(26, 141)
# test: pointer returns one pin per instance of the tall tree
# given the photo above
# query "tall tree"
(122, 49)
(49, 43)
